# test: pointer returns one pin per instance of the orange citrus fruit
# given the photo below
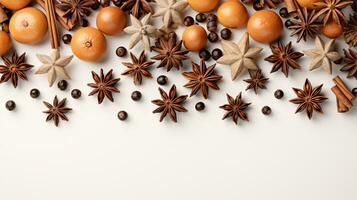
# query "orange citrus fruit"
(5, 42)
(15, 4)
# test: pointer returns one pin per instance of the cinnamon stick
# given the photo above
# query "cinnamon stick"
(344, 89)
(291, 5)
(59, 16)
(341, 97)
(341, 108)
(52, 24)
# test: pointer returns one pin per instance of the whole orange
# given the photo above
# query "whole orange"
(232, 14)
(15, 4)
(194, 38)
(5, 42)
(28, 25)
(89, 44)
(265, 26)
(309, 4)
(111, 20)
(332, 30)
(203, 6)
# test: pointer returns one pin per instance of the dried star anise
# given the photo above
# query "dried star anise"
(309, 99)
(138, 68)
(332, 10)
(169, 52)
(75, 11)
(284, 57)
(170, 104)
(14, 69)
(57, 110)
(137, 7)
(256, 81)
(351, 63)
(104, 85)
(235, 108)
(202, 78)
(350, 30)
(305, 25)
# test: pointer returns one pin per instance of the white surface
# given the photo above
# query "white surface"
(95, 156)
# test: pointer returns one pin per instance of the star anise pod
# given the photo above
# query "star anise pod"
(351, 63)
(284, 57)
(309, 99)
(170, 104)
(332, 10)
(305, 25)
(202, 78)
(139, 68)
(256, 81)
(75, 11)
(104, 85)
(137, 7)
(57, 110)
(14, 69)
(236, 108)
(350, 30)
(169, 52)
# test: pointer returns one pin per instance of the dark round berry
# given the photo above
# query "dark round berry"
(213, 37)
(212, 17)
(354, 91)
(162, 80)
(122, 115)
(67, 38)
(200, 17)
(212, 26)
(204, 54)
(7, 11)
(34, 93)
(279, 94)
(10, 105)
(104, 3)
(76, 94)
(117, 3)
(62, 84)
(136, 96)
(85, 23)
(283, 12)
(257, 5)
(121, 51)
(339, 61)
(188, 21)
(266, 110)
(226, 34)
(200, 106)
(288, 23)
(217, 54)
(95, 5)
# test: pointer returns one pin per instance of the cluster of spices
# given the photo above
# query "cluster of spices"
(321, 21)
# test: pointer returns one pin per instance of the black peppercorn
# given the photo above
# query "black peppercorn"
(104, 3)
(354, 91)
(266, 110)
(288, 23)
(34, 93)
(200, 17)
(284, 12)
(188, 21)
(117, 3)
(279, 94)
(217, 54)
(212, 26)
(122, 115)
(121, 51)
(257, 5)
(136, 96)
(213, 37)
(204, 54)
(226, 34)
(200, 106)
(95, 5)
(162, 80)
(212, 17)
(67, 38)
(10, 105)
(76, 93)
(62, 84)
(85, 23)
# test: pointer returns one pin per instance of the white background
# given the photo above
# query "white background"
(95, 156)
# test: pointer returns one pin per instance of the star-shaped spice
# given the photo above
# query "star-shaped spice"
(308, 99)
(236, 108)
(284, 57)
(75, 11)
(137, 7)
(169, 104)
(350, 30)
(332, 10)
(202, 78)
(140, 30)
(169, 52)
(171, 12)
(139, 68)
(306, 25)
(14, 69)
(54, 66)
(351, 63)
(322, 55)
(104, 85)
(256, 81)
(57, 111)
(239, 56)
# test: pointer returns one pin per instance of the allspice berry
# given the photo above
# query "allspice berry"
(194, 38)
(232, 14)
